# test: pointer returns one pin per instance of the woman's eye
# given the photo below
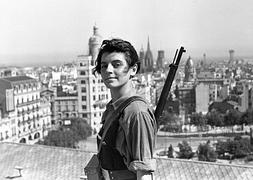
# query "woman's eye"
(104, 66)
(116, 65)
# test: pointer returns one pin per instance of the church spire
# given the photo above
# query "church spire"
(149, 58)
(148, 46)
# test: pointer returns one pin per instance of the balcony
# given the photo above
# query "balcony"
(28, 103)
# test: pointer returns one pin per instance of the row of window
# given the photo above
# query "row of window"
(33, 98)
(25, 86)
(102, 89)
(24, 129)
(65, 102)
(94, 81)
(67, 115)
(5, 135)
(28, 110)
(100, 97)
(2, 137)
(28, 120)
(66, 108)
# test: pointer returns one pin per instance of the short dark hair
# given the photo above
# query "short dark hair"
(117, 45)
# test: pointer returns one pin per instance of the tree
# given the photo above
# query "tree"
(62, 138)
(239, 147)
(214, 118)
(81, 128)
(171, 122)
(206, 152)
(232, 118)
(185, 150)
(199, 120)
(68, 135)
(247, 117)
(170, 152)
(221, 148)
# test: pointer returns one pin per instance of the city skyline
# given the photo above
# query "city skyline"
(59, 30)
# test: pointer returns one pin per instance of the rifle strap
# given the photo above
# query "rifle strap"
(115, 115)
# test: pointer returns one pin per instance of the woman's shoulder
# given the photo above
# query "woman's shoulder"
(138, 106)
(136, 102)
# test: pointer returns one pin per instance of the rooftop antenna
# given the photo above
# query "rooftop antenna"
(19, 168)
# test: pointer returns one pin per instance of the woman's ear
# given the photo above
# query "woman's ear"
(134, 69)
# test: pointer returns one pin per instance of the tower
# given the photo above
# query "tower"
(142, 60)
(148, 59)
(189, 71)
(231, 56)
(160, 60)
(94, 44)
(92, 93)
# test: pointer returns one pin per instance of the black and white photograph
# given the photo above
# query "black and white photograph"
(126, 89)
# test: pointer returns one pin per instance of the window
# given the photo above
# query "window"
(82, 73)
(6, 135)
(83, 89)
(83, 98)
(84, 106)
(84, 115)
(94, 89)
(82, 81)
(1, 136)
(94, 97)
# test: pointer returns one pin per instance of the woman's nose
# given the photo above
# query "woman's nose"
(109, 68)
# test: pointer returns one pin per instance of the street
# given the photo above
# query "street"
(162, 142)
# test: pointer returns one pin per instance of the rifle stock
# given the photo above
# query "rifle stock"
(166, 88)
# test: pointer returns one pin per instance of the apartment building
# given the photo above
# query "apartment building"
(65, 106)
(92, 93)
(20, 109)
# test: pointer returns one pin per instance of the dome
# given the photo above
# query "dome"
(189, 63)
(189, 70)
(94, 44)
(95, 38)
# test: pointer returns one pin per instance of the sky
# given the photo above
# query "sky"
(58, 30)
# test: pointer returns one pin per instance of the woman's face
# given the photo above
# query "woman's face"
(115, 70)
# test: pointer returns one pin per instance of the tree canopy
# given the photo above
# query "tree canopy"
(185, 150)
(206, 152)
(68, 135)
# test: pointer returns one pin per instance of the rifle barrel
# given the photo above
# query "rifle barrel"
(167, 85)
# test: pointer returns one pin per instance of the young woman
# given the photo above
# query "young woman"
(126, 150)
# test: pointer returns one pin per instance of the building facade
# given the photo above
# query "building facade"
(92, 93)
(21, 109)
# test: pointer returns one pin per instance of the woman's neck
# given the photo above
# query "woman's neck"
(125, 91)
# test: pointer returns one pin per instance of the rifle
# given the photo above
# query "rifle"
(168, 83)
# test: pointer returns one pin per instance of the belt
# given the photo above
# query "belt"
(118, 175)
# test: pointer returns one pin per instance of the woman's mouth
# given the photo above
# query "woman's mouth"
(110, 78)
